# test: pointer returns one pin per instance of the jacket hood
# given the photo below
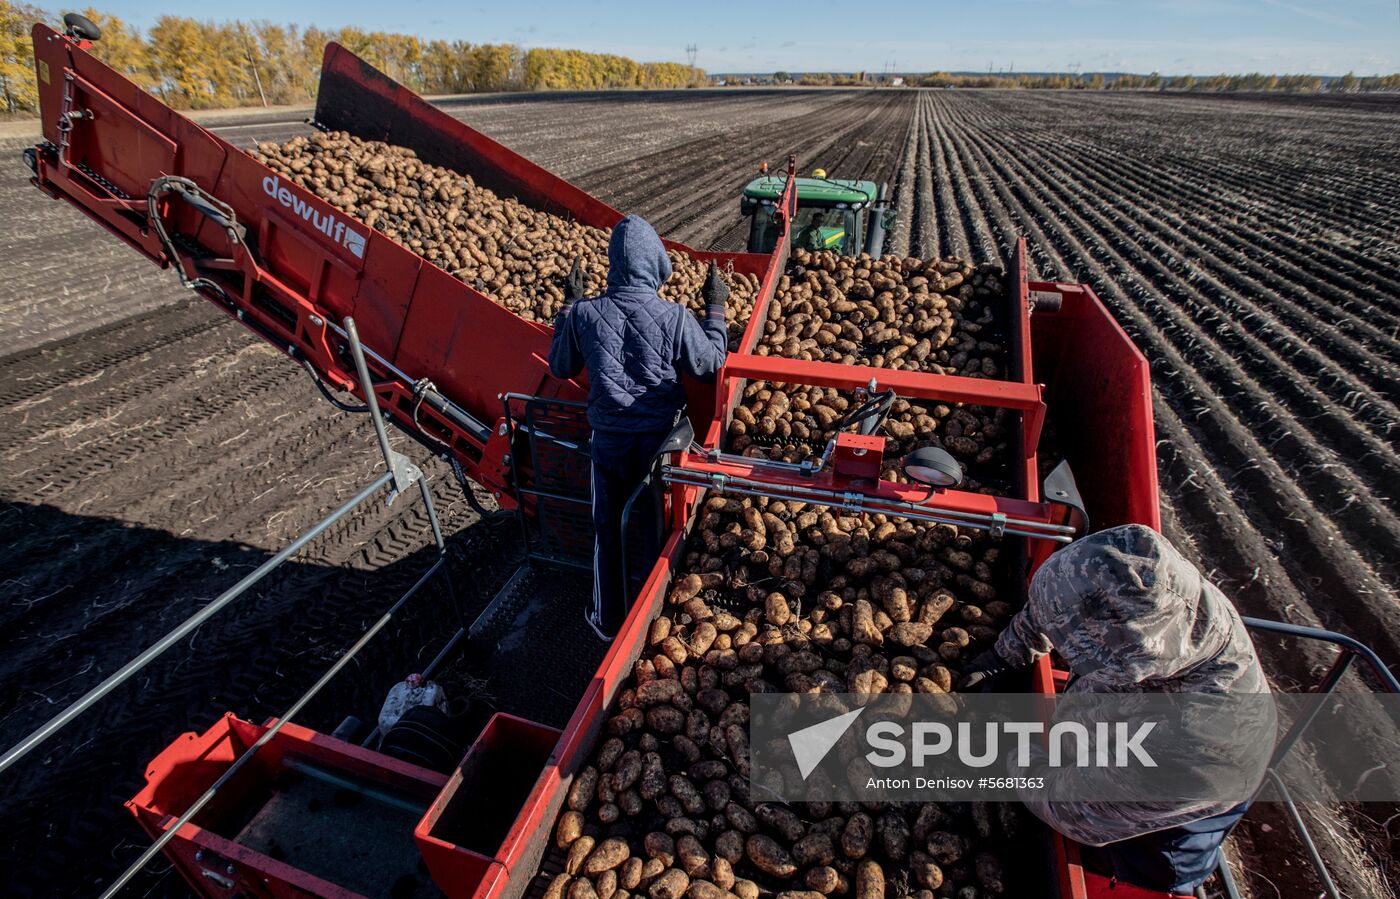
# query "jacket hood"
(637, 260)
(1122, 607)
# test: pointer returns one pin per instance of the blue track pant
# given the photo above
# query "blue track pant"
(621, 459)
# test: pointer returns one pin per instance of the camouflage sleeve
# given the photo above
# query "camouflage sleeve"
(1098, 821)
(1024, 640)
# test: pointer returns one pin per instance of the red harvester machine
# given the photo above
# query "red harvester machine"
(469, 379)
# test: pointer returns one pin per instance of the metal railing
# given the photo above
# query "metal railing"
(1351, 651)
(399, 476)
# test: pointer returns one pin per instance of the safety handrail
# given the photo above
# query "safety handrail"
(1351, 650)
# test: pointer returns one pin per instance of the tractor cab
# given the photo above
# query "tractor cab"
(841, 215)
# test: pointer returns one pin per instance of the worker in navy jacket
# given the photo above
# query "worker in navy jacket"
(635, 345)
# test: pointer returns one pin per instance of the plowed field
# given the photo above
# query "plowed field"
(151, 452)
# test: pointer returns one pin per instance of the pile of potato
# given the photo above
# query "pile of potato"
(792, 422)
(777, 595)
(935, 316)
(782, 596)
(894, 312)
(516, 255)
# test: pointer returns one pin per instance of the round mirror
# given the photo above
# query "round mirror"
(933, 466)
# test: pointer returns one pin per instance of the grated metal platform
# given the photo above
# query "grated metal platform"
(533, 647)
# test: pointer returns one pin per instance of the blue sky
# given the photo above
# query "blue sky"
(1168, 36)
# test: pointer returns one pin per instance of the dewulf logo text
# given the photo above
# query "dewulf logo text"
(329, 225)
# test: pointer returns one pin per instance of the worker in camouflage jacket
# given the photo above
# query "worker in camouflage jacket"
(1129, 614)
(635, 346)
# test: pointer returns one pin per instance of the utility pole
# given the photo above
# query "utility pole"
(690, 51)
(248, 51)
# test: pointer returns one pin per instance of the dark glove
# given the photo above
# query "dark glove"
(715, 291)
(982, 672)
(574, 285)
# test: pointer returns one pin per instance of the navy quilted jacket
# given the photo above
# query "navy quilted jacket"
(634, 343)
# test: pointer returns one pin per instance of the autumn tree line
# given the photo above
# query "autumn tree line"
(1254, 81)
(1349, 83)
(193, 64)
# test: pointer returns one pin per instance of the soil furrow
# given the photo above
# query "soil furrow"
(1350, 587)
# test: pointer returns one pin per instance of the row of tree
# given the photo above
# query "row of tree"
(1251, 82)
(199, 64)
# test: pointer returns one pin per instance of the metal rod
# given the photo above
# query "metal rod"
(1227, 878)
(431, 397)
(432, 515)
(1329, 684)
(369, 791)
(1016, 526)
(1306, 836)
(1367, 654)
(267, 736)
(827, 497)
(358, 353)
(442, 653)
(62, 719)
(549, 494)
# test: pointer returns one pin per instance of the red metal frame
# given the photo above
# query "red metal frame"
(959, 501)
(204, 851)
(426, 324)
(1024, 398)
(457, 870)
(314, 265)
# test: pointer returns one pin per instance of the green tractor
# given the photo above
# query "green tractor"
(837, 214)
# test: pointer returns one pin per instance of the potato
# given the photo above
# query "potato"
(925, 870)
(630, 873)
(730, 846)
(894, 835)
(672, 884)
(870, 880)
(653, 778)
(814, 849)
(945, 847)
(579, 850)
(657, 692)
(704, 889)
(856, 835)
(583, 789)
(745, 889)
(824, 879)
(721, 872)
(911, 633)
(606, 856)
(665, 719)
(570, 828)
(989, 873)
(558, 887)
(781, 820)
(741, 818)
(768, 856)
(776, 609)
(581, 888)
(660, 846)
